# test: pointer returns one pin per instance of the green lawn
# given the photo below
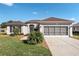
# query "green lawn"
(76, 36)
(12, 46)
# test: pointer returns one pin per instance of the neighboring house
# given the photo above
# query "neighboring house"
(76, 27)
(49, 27)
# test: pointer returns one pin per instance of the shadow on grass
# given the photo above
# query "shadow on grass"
(28, 42)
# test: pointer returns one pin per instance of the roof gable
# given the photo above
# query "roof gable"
(52, 20)
(55, 19)
(14, 23)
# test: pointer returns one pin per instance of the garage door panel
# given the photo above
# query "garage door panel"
(55, 30)
(51, 30)
(64, 30)
(46, 31)
(51, 33)
(63, 33)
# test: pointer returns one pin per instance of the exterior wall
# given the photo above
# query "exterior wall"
(42, 29)
(8, 30)
(76, 28)
(32, 24)
(24, 30)
(28, 27)
(71, 31)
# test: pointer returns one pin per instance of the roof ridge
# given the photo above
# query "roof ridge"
(55, 19)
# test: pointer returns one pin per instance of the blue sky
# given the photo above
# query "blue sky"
(31, 11)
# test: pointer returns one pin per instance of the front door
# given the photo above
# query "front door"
(31, 28)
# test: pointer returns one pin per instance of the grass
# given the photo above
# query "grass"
(76, 37)
(12, 46)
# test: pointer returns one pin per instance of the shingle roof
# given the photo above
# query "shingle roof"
(15, 23)
(32, 21)
(52, 20)
(77, 24)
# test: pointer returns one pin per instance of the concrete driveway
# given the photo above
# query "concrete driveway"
(63, 46)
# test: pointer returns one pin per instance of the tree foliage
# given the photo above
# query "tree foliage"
(3, 25)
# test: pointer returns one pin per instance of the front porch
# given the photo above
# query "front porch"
(12, 28)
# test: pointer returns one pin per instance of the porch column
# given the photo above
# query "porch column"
(24, 30)
(68, 30)
(8, 30)
(71, 31)
(42, 29)
(28, 28)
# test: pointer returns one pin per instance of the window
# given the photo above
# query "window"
(31, 28)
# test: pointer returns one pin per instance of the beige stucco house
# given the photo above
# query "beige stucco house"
(49, 27)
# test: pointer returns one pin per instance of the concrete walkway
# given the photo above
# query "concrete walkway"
(63, 46)
(24, 38)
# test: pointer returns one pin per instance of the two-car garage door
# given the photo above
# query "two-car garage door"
(55, 30)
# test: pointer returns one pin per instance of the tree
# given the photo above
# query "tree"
(3, 25)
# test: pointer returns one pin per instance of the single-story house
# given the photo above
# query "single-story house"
(76, 27)
(49, 27)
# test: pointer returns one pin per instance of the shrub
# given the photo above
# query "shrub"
(3, 25)
(35, 37)
(16, 31)
(12, 34)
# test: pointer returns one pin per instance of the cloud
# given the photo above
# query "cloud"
(34, 12)
(8, 4)
(72, 19)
